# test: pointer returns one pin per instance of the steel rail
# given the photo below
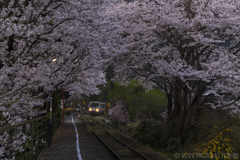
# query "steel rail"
(138, 153)
(141, 155)
(102, 141)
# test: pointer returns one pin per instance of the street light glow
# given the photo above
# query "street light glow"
(54, 59)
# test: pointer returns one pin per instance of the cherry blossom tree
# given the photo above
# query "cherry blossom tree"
(119, 113)
(190, 48)
(47, 45)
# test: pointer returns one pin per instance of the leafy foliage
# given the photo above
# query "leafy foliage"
(138, 101)
(155, 135)
(155, 102)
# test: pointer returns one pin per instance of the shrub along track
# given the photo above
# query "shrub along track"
(117, 145)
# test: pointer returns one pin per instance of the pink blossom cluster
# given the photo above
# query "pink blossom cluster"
(191, 45)
(119, 113)
(47, 45)
(188, 48)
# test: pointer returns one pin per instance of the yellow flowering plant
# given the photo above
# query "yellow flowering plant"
(219, 143)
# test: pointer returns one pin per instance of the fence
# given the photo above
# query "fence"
(26, 140)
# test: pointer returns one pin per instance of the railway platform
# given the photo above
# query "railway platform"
(73, 141)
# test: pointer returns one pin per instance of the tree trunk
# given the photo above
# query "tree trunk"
(169, 105)
(179, 116)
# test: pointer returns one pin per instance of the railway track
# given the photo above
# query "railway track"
(121, 150)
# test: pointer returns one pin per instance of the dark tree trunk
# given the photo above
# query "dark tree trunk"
(179, 116)
(169, 105)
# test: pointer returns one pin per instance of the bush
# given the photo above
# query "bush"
(103, 120)
(173, 144)
(149, 133)
(156, 135)
(221, 143)
(216, 135)
(114, 123)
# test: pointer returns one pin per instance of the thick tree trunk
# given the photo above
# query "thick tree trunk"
(169, 105)
(179, 116)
